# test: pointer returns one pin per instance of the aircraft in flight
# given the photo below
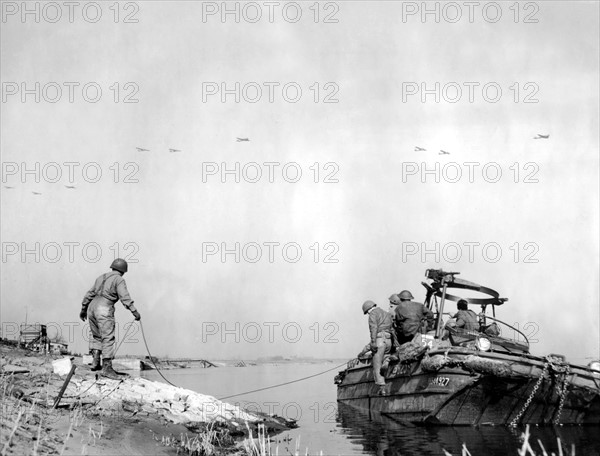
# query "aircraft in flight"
(36, 193)
(70, 186)
(174, 150)
(443, 152)
(419, 149)
(242, 139)
(140, 149)
(541, 136)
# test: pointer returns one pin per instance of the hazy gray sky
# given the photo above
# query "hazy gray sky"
(375, 211)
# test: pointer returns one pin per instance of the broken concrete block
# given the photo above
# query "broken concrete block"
(62, 366)
(12, 369)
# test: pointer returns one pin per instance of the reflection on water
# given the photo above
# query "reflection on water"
(382, 436)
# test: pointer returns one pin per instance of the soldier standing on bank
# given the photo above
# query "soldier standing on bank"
(98, 307)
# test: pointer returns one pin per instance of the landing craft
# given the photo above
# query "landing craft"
(472, 377)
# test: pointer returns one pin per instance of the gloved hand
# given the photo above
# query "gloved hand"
(83, 314)
(136, 315)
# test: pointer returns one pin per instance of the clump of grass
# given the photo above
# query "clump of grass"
(261, 445)
(18, 419)
(204, 443)
(526, 448)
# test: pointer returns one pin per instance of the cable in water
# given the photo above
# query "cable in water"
(246, 392)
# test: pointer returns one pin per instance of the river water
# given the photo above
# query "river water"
(333, 429)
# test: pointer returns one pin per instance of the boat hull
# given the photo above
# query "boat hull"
(485, 388)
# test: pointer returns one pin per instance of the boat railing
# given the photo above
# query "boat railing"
(509, 326)
(493, 332)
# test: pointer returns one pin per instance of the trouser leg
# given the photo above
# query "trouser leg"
(95, 333)
(106, 323)
(378, 361)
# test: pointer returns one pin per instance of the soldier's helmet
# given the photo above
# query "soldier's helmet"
(405, 294)
(119, 264)
(367, 305)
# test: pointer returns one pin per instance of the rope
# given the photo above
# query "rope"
(78, 395)
(283, 384)
(107, 394)
(151, 358)
(238, 394)
(226, 397)
(124, 337)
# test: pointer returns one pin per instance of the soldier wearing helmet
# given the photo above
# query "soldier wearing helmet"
(409, 317)
(465, 318)
(394, 301)
(99, 307)
(380, 329)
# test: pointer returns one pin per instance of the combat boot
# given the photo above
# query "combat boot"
(96, 366)
(108, 371)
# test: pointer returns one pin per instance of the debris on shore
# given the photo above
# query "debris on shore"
(30, 387)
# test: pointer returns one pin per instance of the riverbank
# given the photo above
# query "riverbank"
(117, 417)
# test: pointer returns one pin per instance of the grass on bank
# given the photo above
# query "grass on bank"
(526, 448)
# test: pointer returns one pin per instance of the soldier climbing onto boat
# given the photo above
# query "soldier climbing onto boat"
(380, 329)
(410, 318)
(99, 307)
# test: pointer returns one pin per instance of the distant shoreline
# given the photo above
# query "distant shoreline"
(186, 363)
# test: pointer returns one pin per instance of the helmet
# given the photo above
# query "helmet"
(368, 305)
(405, 294)
(119, 265)
(394, 299)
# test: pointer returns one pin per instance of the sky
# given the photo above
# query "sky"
(368, 213)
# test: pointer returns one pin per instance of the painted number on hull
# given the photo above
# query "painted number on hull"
(439, 381)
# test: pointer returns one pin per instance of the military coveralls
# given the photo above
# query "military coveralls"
(409, 319)
(467, 319)
(107, 290)
(380, 328)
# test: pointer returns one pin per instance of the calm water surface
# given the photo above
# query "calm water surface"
(325, 425)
